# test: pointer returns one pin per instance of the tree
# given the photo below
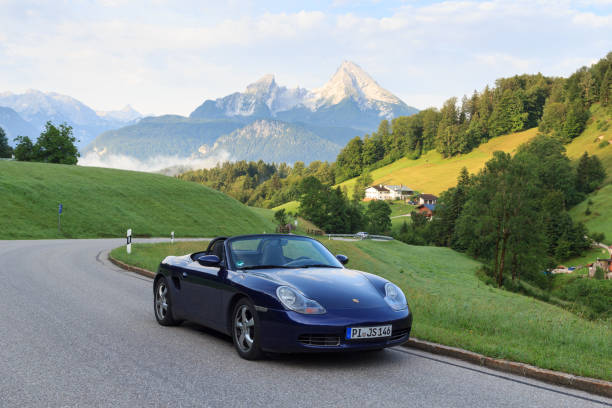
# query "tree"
(56, 145)
(447, 135)
(605, 91)
(373, 150)
(6, 151)
(508, 115)
(363, 181)
(24, 151)
(378, 215)
(349, 160)
(281, 217)
(418, 219)
(590, 173)
(575, 121)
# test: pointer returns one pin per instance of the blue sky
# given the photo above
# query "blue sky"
(169, 56)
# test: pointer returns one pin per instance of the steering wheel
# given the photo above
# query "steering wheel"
(298, 261)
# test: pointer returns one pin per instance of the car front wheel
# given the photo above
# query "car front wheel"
(245, 330)
(162, 304)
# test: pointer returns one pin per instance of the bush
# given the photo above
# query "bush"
(594, 294)
(485, 275)
(587, 211)
(603, 143)
(598, 236)
(599, 273)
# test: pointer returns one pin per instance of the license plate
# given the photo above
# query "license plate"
(368, 332)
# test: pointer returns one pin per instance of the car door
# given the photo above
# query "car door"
(202, 289)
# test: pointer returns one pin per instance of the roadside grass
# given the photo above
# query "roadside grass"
(149, 256)
(101, 202)
(431, 173)
(453, 307)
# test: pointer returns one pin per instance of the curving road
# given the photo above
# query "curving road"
(77, 331)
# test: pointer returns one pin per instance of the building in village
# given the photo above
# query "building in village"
(427, 199)
(387, 192)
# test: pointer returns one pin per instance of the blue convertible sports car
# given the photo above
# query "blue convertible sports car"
(283, 294)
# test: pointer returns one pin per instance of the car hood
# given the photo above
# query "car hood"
(333, 288)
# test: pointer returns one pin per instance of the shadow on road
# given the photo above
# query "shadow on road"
(335, 360)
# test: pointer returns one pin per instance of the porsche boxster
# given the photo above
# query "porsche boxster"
(282, 294)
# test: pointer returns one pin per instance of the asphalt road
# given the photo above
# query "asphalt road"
(77, 331)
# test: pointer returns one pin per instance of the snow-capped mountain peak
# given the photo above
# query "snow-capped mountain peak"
(126, 114)
(350, 81)
(265, 98)
(263, 86)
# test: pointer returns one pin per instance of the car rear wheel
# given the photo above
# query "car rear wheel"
(245, 330)
(162, 304)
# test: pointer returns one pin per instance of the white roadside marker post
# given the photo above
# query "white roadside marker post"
(129, 241)
(172, 237)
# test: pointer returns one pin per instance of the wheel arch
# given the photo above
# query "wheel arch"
(236, 297)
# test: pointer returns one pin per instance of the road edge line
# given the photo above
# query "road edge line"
(591, 385)
(123, 265)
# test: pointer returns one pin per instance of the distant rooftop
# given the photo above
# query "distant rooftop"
(400, 188)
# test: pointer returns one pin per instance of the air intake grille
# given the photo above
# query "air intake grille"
(319, 340)
(398, 334)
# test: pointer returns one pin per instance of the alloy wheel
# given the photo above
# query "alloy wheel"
(161, 301)
(244, 330)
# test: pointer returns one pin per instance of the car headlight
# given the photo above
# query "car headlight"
(395, 297)
(294, 300)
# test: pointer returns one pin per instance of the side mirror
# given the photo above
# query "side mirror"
(342, 258)
(209, 260)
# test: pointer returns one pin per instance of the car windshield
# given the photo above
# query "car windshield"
(261, 252)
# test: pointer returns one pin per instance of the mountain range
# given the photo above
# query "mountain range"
(267, 121)
(26, 114)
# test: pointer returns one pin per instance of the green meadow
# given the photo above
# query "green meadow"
(105, 203)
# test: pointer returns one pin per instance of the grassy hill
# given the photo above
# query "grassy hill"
(599, 130)
(105, 203)
(431, 173)
(452, 306)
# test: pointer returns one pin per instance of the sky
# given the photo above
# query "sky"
(167, 57)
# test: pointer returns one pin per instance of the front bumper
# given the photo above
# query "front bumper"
(285, 331)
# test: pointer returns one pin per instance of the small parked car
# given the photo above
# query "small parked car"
(283, 294)
(361, 235)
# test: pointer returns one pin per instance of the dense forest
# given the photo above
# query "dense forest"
(261, 184)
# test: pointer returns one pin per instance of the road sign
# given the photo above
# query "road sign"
(61, 207)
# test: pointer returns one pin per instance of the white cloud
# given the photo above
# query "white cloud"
(174, 164)
(167, 57)
(499, 60)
